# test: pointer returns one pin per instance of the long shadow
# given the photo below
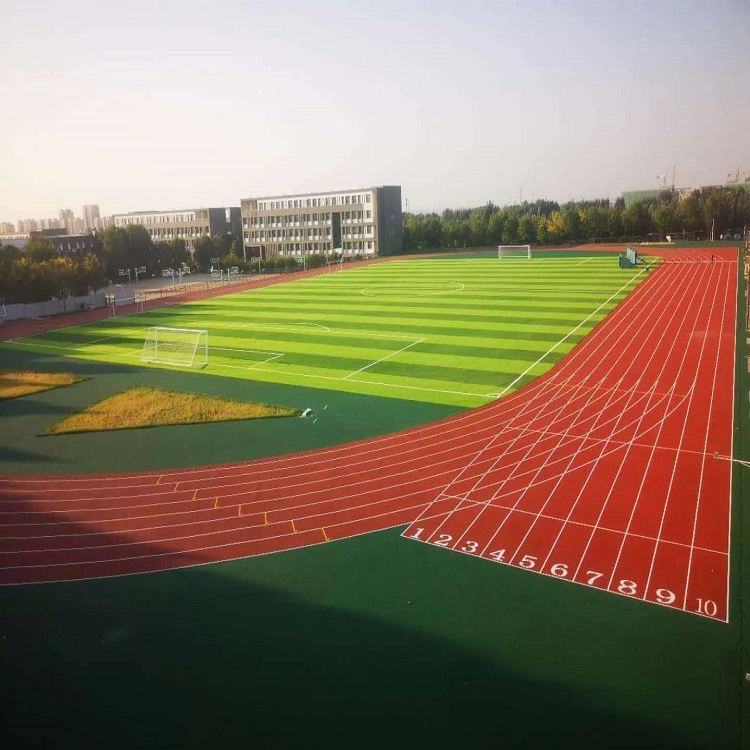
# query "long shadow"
(18, 455)
(343, 644)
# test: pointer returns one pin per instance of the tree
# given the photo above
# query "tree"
(495, 228)
(637, 219)
(527, 230)
(664, 217)
(222, 244)
(88, 276)
(40, 249)
(203, 251)
(171, 254)
(141, 247)
(510, 229)
(478, 223)
(556, 230)
(116, 245)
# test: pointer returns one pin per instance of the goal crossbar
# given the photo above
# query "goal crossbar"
(514, 251)
(180, 347)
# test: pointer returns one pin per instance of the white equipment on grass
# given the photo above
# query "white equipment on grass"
(514, 251)
(181, 347)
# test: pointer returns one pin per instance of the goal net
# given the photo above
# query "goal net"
(181, 347)
(514, 251)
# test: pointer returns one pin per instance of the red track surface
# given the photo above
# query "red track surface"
(612, 471)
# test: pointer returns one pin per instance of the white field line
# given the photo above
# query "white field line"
(570, 333)
(382, 359)
(541, 395)
(616, 426)
(484, 420)
(530, 449)
(477, 421)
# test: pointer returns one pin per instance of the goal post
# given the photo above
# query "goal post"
(181, 347)
(514, 251)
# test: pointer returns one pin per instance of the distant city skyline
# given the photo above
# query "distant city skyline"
(459, 104)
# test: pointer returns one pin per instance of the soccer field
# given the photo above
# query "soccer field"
(455, 331)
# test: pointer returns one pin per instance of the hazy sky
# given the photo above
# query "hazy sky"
(156, 105)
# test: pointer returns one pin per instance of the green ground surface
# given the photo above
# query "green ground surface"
(337, 418)
(364, 641)
(450, 331)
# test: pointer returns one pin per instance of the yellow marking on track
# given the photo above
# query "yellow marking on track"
(265, 517)
(239, 511)
(176, 485)
(294, 528)
(325, 535)
(158, 481)
(195, 495)
(216, 503)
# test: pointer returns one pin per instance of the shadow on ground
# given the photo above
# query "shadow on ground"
(365, 641)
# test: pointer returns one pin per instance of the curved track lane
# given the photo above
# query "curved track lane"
(611, 470)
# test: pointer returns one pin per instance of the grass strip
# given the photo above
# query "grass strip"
(15, 383)
(154, 407)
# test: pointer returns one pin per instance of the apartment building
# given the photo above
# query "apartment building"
(363, 221)
(92, 220)
(187, 224)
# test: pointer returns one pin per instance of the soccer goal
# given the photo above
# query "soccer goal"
(334, 265)
(514, 251)
(181, 347)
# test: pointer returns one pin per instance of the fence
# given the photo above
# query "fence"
(23, 311)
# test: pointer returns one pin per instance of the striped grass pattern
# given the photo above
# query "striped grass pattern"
(453, 331)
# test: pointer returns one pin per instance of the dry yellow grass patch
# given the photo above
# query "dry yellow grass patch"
(153, 407)
(14, 383)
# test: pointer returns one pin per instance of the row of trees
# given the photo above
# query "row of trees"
(37, 273)
(548, 223)
(132, 247)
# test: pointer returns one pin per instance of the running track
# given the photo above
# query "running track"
(613, 471)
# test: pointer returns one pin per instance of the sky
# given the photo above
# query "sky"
(153, 106)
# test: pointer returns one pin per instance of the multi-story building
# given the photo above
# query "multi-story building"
(364, 221)
(24, 226)
(91, 218)
(67, 220)
(188, 224)
(75, 246)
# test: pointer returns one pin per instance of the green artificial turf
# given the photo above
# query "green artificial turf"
(450, 331)
(367, 641)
